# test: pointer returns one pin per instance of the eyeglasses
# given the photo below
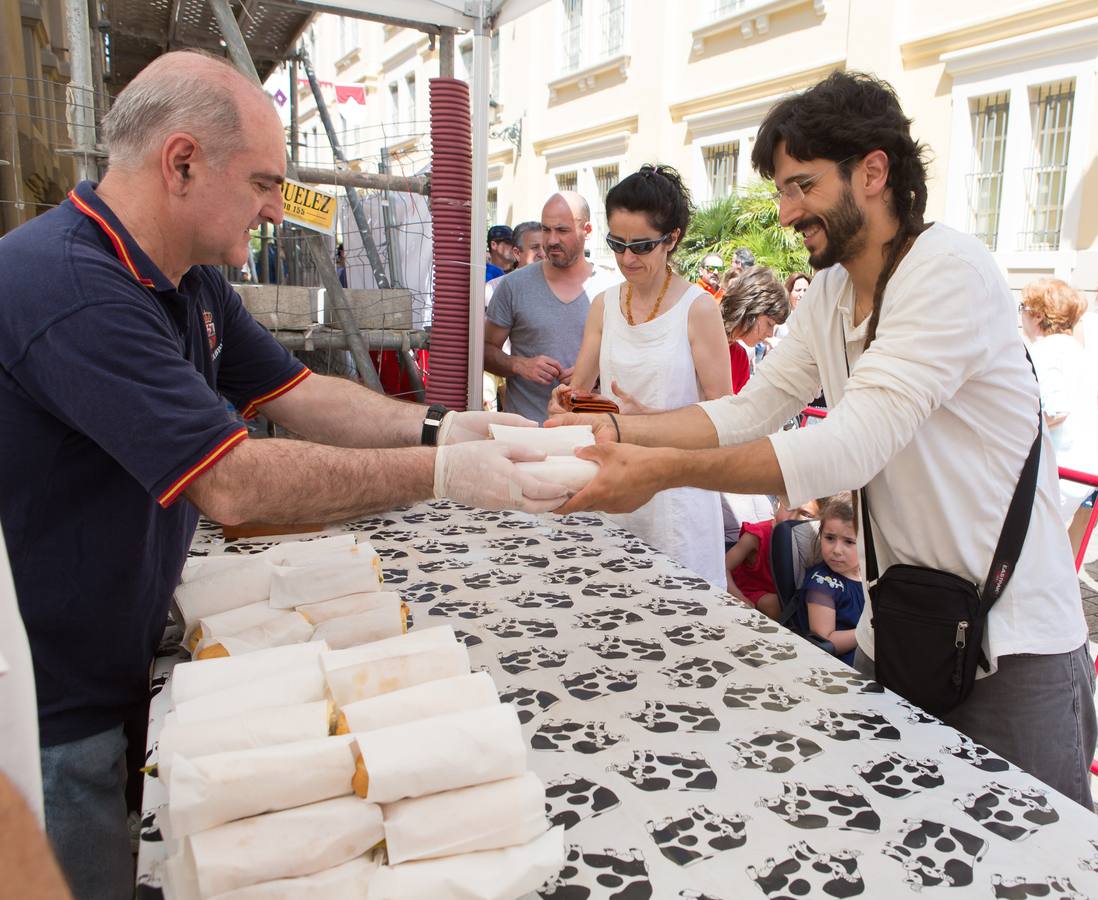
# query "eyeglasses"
(712, 268)
(1022, 308)
(794, 191)
(639, 248)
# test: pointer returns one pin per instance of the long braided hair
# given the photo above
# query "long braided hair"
(845, 117)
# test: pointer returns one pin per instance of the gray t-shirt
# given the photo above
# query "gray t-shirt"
(541, 325)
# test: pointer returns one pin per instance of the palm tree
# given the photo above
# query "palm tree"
(746, 219)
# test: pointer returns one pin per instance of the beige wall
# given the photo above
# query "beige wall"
(682, 81)
(32, 110)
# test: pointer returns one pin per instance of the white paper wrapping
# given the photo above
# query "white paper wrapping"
(482, 817)
(248, 582)
(303, 683)
(285, 627)
(283, 553)
(204, 566)
(351, 605)
(286, 844)
(325, 578)
(550, 441)
(207, 791)
(294, 553)
(349, 881)
(487, 875)
(179, 880)
(362, 628)
(360, 681)
(233, 621)
(193, 679)
(255, 728)
(417, 639)
(423, 701)
(569, 472)
(442, 753)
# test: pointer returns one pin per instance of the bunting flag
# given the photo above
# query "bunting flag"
(344, 93)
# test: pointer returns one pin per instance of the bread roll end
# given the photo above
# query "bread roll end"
(360, 781)
(214, 651)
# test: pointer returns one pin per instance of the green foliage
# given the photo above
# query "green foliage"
(748, 219)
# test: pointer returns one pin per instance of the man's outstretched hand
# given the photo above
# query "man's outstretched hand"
(628, 475)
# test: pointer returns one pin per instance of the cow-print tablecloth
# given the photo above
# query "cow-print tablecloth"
(691, 747)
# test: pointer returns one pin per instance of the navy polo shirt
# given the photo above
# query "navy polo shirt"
(112, 400)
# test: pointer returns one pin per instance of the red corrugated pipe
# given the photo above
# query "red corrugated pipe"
(451, 204)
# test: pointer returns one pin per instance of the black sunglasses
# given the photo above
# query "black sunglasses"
(639, 248)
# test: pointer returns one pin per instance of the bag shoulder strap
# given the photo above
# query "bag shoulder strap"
(1011, 539)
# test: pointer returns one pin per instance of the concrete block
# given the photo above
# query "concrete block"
(375, 308)
(279, 306)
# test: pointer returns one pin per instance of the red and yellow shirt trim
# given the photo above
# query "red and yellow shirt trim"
(119, 244)
(172, 493)
(252, 408)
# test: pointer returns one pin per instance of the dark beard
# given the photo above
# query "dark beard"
(562, 263)
(845, 232)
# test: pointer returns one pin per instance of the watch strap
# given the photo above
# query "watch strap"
(431, 423)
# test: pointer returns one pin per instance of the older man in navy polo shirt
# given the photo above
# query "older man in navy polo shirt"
(118, 343)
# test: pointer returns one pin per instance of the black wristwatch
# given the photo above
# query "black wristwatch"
(431, 424)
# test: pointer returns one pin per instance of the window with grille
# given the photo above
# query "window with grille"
(394, 103)
(410, 95)
(721, 168)
(605, 178)
(566, 181)
(990, 117)
(723, 8)
(492, 209)
(572, 38)
(1050, 107)
(466, 51)
(348, 35)
(613, 27)
(494, 85)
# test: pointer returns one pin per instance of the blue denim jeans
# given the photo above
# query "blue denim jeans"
(84, 783)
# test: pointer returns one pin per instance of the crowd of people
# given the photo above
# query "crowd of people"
(120, 341)
(907, 331)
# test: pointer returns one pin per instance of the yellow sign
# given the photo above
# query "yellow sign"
(308, 207)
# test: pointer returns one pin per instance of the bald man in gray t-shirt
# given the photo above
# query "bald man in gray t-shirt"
(542, 308)
(540, 324)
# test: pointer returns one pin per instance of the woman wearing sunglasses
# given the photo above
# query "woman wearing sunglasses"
(656, 342)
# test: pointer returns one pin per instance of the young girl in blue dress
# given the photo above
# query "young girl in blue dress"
(833, 589)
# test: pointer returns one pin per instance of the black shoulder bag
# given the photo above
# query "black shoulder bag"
(929, 625)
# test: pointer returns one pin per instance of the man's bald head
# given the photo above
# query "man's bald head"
(573, 202)
(183, 91)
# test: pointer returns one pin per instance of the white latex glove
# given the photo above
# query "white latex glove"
(458, 427)
(483, 474)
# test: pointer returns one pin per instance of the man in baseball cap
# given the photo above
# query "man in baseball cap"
(501, 253)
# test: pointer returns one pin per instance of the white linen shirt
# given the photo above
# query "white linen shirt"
(936, 417)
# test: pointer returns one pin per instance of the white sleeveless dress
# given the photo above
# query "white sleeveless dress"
(653, 362)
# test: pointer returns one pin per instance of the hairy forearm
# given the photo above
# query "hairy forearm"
(298, 481)
(497, 362)
(741, 469)
(688, 428)
(342, 413)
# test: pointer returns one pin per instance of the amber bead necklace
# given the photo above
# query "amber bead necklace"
(655, 309)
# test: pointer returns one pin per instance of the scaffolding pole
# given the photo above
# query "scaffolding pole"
(238, 52)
